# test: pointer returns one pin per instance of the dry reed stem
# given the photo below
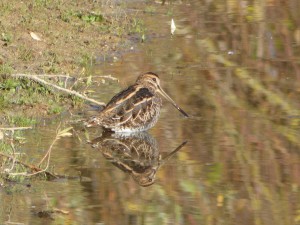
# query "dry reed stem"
(33, 168)
(47, 84)
(15, 128)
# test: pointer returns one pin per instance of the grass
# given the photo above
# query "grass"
(20, 91)
(31, 96)
(150, 9)
(90, 17)
(6, 37)
(72, 36)
(25, 54)
(67, 29)
(86, 61)
(55, 109)
(7, 147)
(6, 69)
(138, 26)
(21, 121)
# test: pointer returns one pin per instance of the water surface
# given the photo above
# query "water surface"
(234, 68)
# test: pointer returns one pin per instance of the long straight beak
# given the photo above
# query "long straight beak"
(164, 94)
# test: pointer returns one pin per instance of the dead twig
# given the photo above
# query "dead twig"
(110, 77)
(59, 134)
(47, 84)
(36, 169)
(48, 153)
(33, 168)
(15, 128)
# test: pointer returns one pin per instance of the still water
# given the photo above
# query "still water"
(233, 66)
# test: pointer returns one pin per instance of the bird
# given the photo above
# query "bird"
(135, 153)
(135, 109)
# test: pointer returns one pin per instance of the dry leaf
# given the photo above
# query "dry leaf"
(35, 36)
(61, 211)
(220, 200)
(67, 134)
(173, 27)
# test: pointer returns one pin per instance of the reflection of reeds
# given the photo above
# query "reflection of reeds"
(249, 89)
(249, 132)
(255, 144)
(242, 163)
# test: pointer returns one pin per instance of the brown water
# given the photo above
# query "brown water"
(233, 66)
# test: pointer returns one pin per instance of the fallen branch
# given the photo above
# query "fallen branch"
(15, 128)
(68, 76)
(47, 84)
(110, 77)
(34, 169)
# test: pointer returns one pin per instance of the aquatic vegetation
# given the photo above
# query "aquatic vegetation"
(13, 163)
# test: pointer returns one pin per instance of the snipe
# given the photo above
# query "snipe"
(136, 108)
(134, 153)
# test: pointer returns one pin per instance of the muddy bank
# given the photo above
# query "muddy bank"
(59, 37)
(56, 37)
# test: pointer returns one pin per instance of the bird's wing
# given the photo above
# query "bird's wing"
(127, 104)
(121, 97)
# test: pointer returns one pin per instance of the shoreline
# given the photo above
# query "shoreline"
(54, 37)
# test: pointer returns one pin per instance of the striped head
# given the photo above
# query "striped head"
(151, 81)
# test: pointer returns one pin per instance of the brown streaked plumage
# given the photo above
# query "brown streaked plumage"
(134, 109)
(134, 153)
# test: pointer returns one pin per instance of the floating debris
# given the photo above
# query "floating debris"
(173, 27)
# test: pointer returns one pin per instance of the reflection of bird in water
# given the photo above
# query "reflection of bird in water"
(135, 153)
(134, 109)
